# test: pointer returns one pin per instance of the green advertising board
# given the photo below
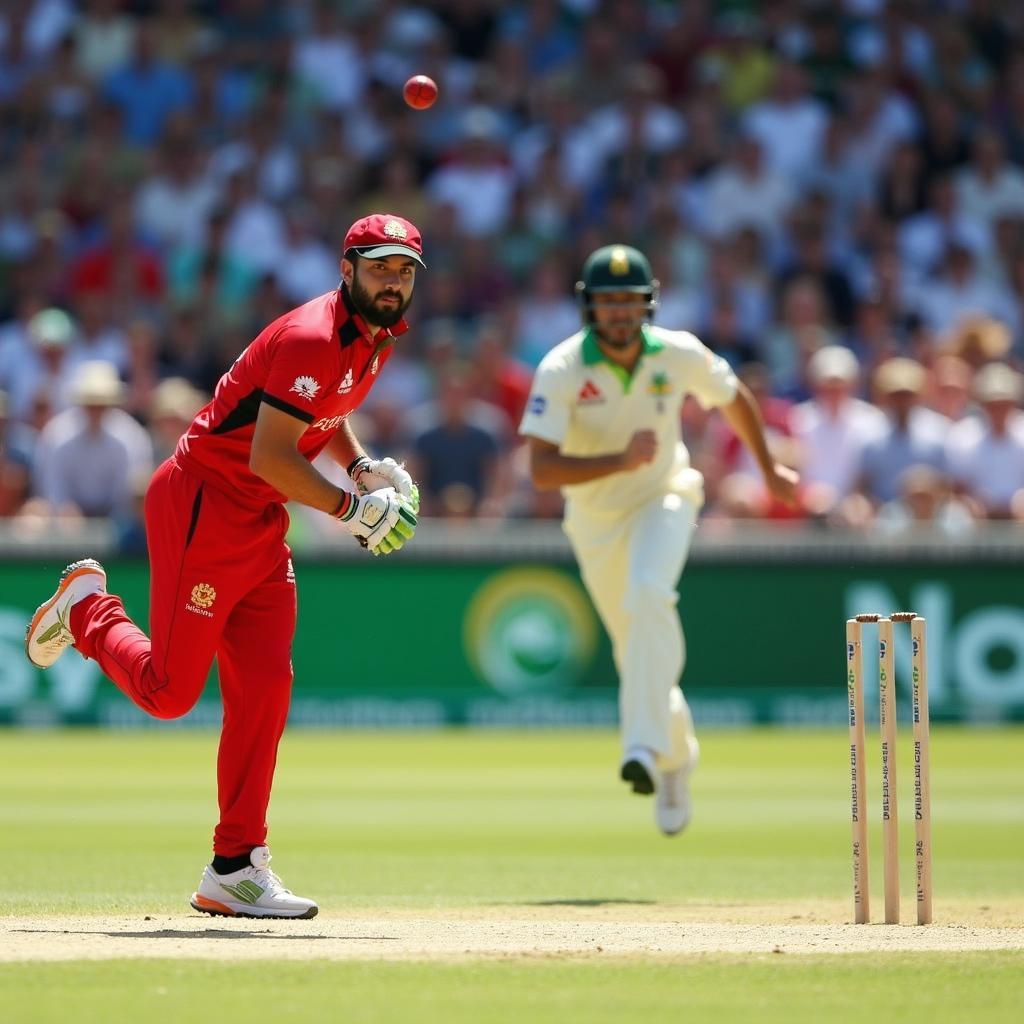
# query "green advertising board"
(498, 643)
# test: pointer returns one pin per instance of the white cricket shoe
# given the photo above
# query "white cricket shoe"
(673, 806)
(48, 634)
(638, 769)
(254, 891)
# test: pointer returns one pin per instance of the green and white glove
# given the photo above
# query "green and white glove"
(382, 520)
(372, 474)
(402, 531)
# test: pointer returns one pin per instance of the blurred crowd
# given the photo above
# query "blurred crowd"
(832, 196)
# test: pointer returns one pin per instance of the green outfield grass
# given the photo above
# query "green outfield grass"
(942, 989)
(101, 823)
(455, 819)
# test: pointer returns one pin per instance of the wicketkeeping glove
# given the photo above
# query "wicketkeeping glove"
(372, 474)
(381, 520)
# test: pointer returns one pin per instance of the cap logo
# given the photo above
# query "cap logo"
(395, 230)
(618, 262)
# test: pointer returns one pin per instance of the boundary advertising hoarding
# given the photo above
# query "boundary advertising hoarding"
(507, 641)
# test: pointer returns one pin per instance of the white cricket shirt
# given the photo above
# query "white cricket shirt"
(590, 406)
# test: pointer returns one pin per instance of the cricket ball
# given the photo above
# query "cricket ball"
(420, 92)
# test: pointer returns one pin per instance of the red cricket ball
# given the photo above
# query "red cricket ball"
(420, 92)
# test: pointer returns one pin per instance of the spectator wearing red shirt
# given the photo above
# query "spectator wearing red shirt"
(498, 377)
(120, 264)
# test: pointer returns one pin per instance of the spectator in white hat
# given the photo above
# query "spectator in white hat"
(38, 364)
(89, 456)
(926, 500)
(914, 436)
(986, 453)
(833, 428)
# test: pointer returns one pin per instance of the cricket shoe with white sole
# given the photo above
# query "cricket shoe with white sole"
(638, 769)
(673, 805)
(255, 891)
(49, 634)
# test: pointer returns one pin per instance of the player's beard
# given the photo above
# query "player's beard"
(369, 308)
(620, 336)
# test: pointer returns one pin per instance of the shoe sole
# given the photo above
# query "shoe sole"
(675, 832)
(207, 906)
(689, 802)
(638, 777)
(62, 587)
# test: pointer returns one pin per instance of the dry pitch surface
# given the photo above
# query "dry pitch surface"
(453, 935)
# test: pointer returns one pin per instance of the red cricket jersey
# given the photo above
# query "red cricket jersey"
(317, 362)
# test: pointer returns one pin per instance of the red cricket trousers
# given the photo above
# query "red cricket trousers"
(221, 583)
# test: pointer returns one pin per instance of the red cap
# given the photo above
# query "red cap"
(385, 234)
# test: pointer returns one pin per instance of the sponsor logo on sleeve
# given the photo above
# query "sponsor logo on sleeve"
(538, 403)
(328, 423)
(346, 383)
(305, 387)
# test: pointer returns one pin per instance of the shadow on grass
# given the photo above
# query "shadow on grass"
(598, 902)
(206, 933)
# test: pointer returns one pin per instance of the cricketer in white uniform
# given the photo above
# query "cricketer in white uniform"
(603, 424)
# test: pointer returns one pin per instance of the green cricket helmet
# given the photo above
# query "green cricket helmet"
(617, 268)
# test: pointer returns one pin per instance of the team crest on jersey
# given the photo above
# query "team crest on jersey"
(659, 387)
(346, 383)
(395, 230)
(589, 394)
(306, 387)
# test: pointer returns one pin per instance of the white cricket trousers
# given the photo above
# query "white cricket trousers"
(631, 564)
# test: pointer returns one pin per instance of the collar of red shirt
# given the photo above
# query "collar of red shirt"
(352, 327)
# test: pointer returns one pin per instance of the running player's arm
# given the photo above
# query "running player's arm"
(549, 468)
(275, 457)
(744, 417)
(545, 425)
(711, 380)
